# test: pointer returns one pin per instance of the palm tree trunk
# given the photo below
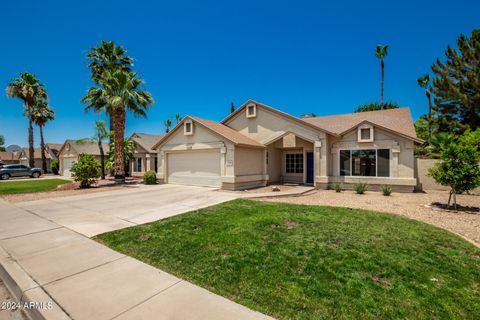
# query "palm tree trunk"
(42, 150)
(102, 158)
(119, 162)
(429, 116)
(382, 65)
(31, 151)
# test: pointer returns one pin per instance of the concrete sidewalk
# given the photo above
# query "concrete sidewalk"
(42, 261)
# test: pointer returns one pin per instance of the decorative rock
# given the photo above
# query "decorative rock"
(275, 188)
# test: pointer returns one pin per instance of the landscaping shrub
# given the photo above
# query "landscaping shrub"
(360, 188)
(338, 186)
(387, 190)
(55, 166)
(86, 170)
(150, 177)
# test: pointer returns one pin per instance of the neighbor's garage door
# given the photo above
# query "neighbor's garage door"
(196, 168)
(67, 164)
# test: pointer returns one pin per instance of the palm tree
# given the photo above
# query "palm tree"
(41, 114)
(121, 91)
(28, 89)
(381, 52)
(168, 124)
(424, 82)
(178, 118)
(103, 58)
(101, 134)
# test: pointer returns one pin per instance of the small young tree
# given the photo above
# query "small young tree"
(2, 143)
(459, 169)
(86, 170)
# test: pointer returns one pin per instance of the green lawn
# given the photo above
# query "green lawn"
(11, 187)
(310, 262)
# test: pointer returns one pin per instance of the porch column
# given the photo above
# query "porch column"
(395, 154)
(147, 162)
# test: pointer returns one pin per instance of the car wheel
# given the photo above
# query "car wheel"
(5, 176)
(35, 174)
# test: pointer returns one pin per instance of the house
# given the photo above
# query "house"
(257, 145)
(53, 149)
(7, 157)
(145, 156)
(37, 156)
(72, 149)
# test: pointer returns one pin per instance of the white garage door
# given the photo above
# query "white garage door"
(196, 168)
(67, 164)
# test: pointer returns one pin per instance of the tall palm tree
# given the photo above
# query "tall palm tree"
(121, 91)
(424, 82)
(28, 89)
(178, 118)
(107, 57)
(41, 114)
(101, 134)
(381, 52)
(168, 124)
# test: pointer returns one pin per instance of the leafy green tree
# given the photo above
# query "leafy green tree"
(28, 89)
(128, 154)
(41, 114)
(457, 86)
(424, 82)
(121, 91)
(168, 124)
(101, 134)
(2, 143)
(374, 106)
(86, 170)
(106, 57)
(381, 52)
(421, 127)
(459, 168)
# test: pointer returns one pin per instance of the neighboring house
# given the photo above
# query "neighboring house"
(71, 150)
(53, 149)
(37, 156)
(257, 145)
(7, 157)
(145, 156)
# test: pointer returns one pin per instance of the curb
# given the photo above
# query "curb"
(35, 302)
(274, 195)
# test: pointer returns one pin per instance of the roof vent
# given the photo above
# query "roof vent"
(307, 115)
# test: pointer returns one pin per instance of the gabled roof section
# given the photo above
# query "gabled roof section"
(88, 147)
(220, 129)
(37, 154)
(8, 156)
(274, 110)
(395, 120)
(146, 141)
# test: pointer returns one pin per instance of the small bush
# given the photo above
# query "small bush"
(360, 188)
(150, 177)
(386, 190)
(86, 170)
(338, 186)
(55, 166)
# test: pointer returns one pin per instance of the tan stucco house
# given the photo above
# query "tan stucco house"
(71, 151)
(145, 156)
(257, 145)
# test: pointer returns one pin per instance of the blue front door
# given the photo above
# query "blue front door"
(309, 167)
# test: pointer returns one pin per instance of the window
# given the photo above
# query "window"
(156, 164)
(138, 165)
(266, 158)
(188, 128)
(294, 163)
(251, 111)
(365, 134)
(365, 163)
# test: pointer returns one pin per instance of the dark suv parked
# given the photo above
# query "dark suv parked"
(18, 170)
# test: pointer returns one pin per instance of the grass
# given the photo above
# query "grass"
(13, 187)
(311, 262)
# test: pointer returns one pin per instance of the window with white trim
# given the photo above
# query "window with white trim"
(294, 163)
(138, 165)
(365, 163)
(365, 133)
(188, 128)
(251, 111)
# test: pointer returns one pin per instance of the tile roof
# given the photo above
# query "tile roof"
(37, 154)
(398, 120)
(8, 156)
(89, 147)
(227, 132)
(146, 141)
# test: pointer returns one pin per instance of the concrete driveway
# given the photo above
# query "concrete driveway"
(96, 213)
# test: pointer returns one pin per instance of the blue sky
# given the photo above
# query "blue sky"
(198, 56)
